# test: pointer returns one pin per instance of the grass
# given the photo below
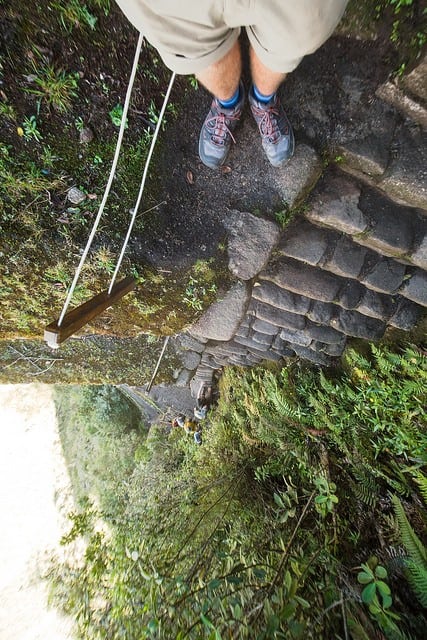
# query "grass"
(75, 14)
(56, 87)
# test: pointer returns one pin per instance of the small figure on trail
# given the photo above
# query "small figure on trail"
(189, 425)
(200, 412)
(201, 38)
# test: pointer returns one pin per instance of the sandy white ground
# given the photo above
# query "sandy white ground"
(35, 497)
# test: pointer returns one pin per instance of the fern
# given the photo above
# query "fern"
(417, 578)
(421, 481)
(366, 488)
(410, 540)
(416, 566)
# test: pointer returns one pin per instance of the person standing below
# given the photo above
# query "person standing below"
(200, 37)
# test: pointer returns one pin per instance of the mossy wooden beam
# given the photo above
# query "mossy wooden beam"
(75, 319)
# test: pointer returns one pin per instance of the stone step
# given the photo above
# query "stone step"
(276, 316)
(392, 227)
(385, 275)
(334, 350)
(280, 297)
(358, 326)
(268, 354)
(296, 337)
(303, 279)
(306, 242)
(264, 327)
(373, 219)
(262, 338)
(407, 315)
(380, 274)
(405, 179)
(391, 93)
(316, 357)
(335, 203)
(355, 297)
(245, 343)
(415, 287)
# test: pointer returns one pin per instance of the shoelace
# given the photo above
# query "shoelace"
(218, 128)
(268, 125)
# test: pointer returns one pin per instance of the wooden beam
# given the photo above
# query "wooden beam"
(75, 319)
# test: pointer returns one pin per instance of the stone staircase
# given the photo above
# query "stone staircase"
(350, 265)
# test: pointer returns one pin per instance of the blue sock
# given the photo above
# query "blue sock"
(260, 96)
(229, 104)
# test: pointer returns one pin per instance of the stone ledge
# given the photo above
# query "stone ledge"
(303, 279)
(270, 293)
(406, 315)
(335, 204)
(405, 179)
(297, 176)
(386, 276)
(354, 324)
(415, 288)
(391, 94)
(223, 317)
(250, 242)
(282, 319)
(305, 242)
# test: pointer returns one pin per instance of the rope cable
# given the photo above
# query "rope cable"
(165, 344)
(109, 183)
(144, 176)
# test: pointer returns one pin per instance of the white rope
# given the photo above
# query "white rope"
(144, 176)
(165, 344)
(109, 183)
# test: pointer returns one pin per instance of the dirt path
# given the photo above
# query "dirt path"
(34, 498)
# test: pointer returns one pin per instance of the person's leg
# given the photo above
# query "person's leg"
(266, 80)
(283, 33)
(222, 78)
(273, 124)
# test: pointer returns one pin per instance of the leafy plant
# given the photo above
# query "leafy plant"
(76, 14)
(116, 115)
(377, 595)
(416, 564)
(196, 293)
(254, 533)
(326, 500)
(79, 124)
(55, 86)
(30, 130)
(375, 588)
(7, 111)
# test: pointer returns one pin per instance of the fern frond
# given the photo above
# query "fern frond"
(421, 481)
(417, 578)
(413, 545)
(366, 488)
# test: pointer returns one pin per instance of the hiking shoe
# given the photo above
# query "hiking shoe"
(276, 132)
(216, 134)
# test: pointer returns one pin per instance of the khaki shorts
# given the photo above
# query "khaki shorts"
(190, 35)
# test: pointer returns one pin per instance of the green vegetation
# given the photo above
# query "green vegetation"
(30, 130)
(76, 14)
(101, 429)
(47, 99)
(405, 13)
(116, 115)
(55, 86)
(280, 525)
